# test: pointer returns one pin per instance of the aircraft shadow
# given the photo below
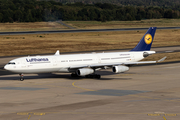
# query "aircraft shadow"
(68, 77)
(65, 76)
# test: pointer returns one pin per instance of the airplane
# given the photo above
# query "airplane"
(85, 64)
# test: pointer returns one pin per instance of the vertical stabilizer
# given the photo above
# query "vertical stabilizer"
(57, 53)
(147, 40)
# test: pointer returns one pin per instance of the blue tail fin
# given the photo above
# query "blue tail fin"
(146, 41)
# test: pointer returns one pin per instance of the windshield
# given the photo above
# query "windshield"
(12, 63)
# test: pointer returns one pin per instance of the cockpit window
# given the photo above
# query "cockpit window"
(12, 63)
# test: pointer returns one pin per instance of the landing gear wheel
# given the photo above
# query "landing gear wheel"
(93, 76)
(21, 77)
(74, 75)
(98, 76)
(87, 76)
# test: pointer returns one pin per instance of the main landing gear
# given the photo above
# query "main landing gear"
(93, 76)
(74, 75)
(21, 77)
(87, 76)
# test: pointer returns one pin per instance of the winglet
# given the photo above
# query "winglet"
(57, 53)
(162, 59)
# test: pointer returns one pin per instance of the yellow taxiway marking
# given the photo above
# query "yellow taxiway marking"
(90, 113)
(29, 116)
(164, 118)
(153, 114)
(30, 113)
(162, 114)
(44, 113)
(100, 113)
(22, 113)
(39, 113)
(81, 87)
(170, 114)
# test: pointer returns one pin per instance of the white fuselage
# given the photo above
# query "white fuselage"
(62, 63)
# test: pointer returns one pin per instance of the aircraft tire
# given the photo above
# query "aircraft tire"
(98, 76)
(93, 76)
(74, 75)
(88, 76)
(21, 79)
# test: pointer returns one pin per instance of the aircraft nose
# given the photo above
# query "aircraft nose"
(5, 67)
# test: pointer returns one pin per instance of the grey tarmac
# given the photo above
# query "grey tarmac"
(142, 93)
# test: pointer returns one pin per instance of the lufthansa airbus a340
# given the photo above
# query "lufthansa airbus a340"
(85, 64)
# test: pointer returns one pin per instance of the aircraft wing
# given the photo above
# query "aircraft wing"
(103, 65)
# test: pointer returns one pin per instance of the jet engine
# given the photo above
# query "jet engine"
(120, 69)
(84, 71)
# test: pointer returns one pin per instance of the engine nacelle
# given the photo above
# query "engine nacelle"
(120, 69)
(84, 71)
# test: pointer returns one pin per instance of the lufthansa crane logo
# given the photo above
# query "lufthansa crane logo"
(148, 38)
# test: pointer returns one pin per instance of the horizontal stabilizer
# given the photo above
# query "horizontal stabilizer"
(162, 59)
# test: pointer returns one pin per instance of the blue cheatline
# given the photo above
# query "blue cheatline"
(146, 41)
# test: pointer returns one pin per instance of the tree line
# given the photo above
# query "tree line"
(161, 3)
(33, 11)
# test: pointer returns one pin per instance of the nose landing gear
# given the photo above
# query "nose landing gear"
(21, 77)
